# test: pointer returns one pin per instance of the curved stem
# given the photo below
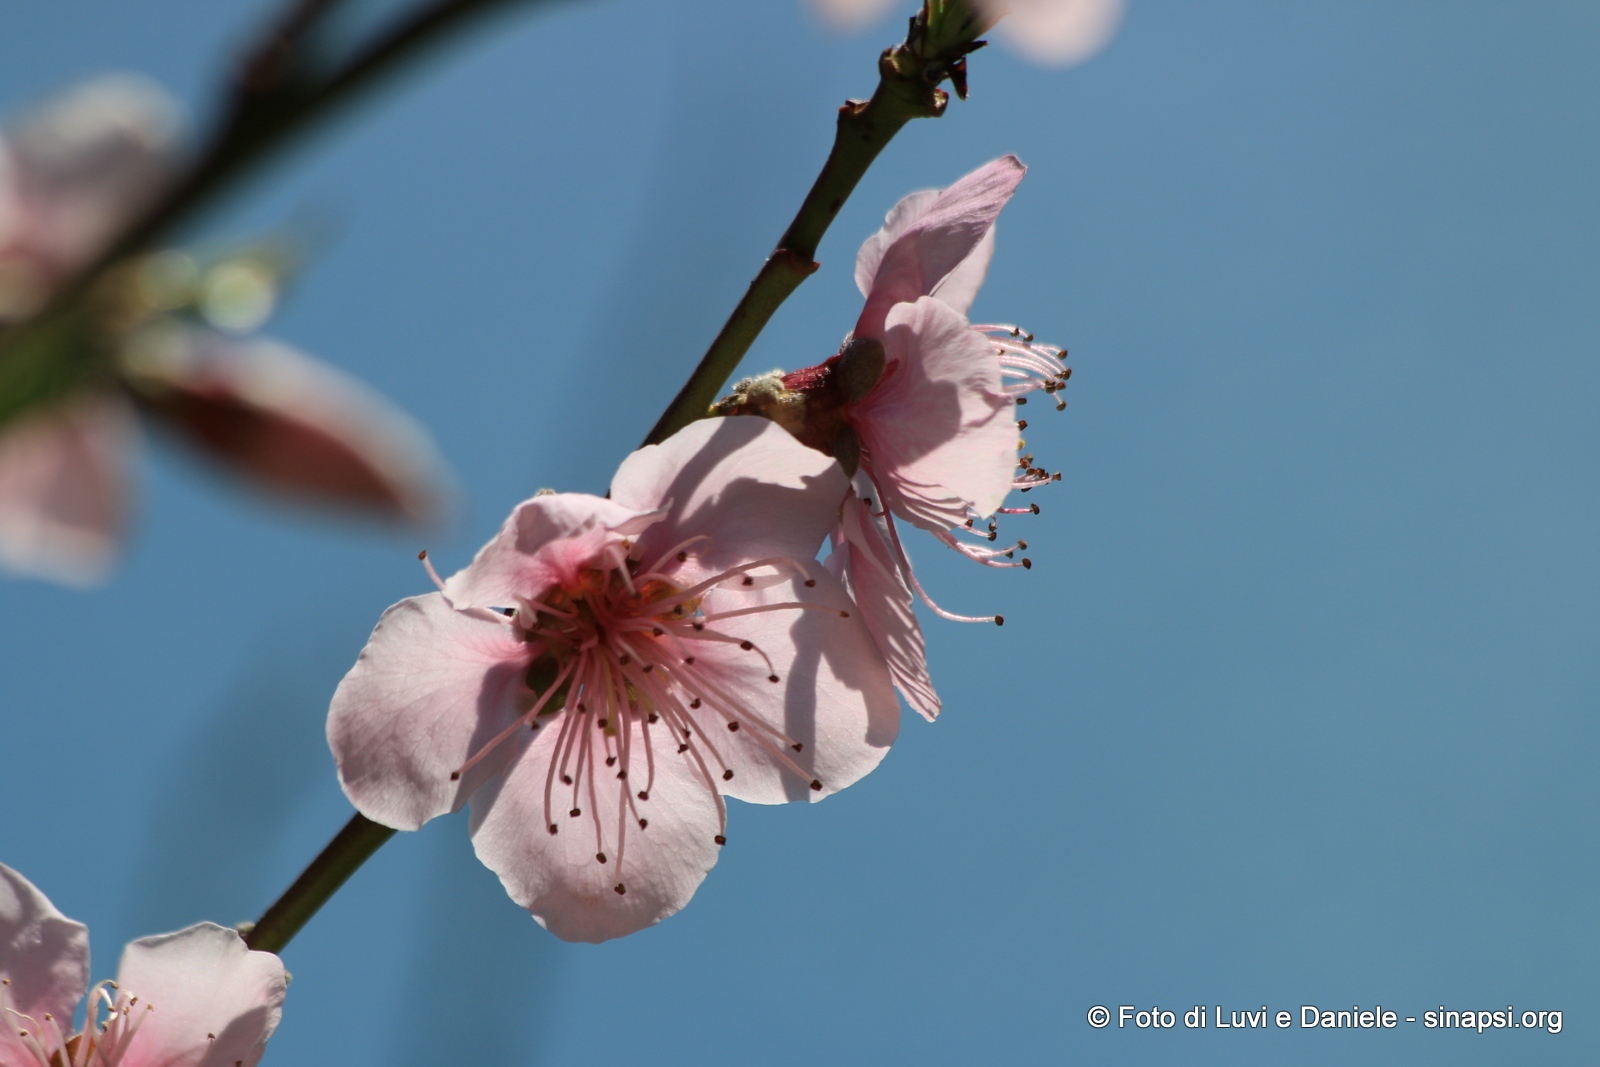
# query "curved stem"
(352, 847)
(907, 89)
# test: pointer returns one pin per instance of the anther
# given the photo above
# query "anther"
(455, 776)
(773, 678)
(719, 839)
(611, 761)
(575, 812)
(624, 659)
(643, 823)
(999, 620)
(420, 555)
(620, 888)
(699, 626)
(601, 856)
(844, 614)
(1022, 545)
(623, 774)
(734, 727)
(1022, 424)
(644, 794)
(810, 582)
(748, 580)
(797, 746)
(746, 645)
(1021, 400)
(554, 828)
(1027, 564)
(648, 667)
(682, 749)
(1035, 508)
(566, 779)
(816, 785)
(727, 775)
(602, 723)
(683, 557)
(688, 661)
(658, 631)
(695, 703)
(653, 717)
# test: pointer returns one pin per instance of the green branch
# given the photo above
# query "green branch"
(353, 846)
(908, 88)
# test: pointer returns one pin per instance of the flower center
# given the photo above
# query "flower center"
(102, 1042)
(629, 669)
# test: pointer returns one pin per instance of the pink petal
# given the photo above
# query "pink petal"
(556, 876)
(44, 960)
(834, 695)
(84, 164)
(742, 482)
(522, 560)
(63, 488)
(938, 432)
(290, 423)
(867, 564)
(1058, 32)
(935, 237)
(431, 687)
(850, 15)
(212, 1001)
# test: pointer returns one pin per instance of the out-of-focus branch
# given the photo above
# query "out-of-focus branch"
(909, 75)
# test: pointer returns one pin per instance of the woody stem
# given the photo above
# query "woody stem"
(907, 89)
(334, 865)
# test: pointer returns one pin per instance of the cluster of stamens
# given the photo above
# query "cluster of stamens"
(618, 674)
(102, 1042)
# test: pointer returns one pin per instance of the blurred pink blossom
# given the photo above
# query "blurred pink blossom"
(69, 179)
(607, 670)
(1055, 32)
(195, 998)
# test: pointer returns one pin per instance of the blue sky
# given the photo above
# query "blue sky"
(1296, 705)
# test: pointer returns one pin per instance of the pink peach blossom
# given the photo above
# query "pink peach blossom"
(919, 405)
(605, 671)
(195, 998)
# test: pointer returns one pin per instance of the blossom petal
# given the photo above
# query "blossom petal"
(63, 488)
(848, 15)
(44, 962)
(1058, 32)
(433, 685)
(834, 695)
(741, 485)
(557, 876)
(521, 560)
(84, 163)
(289, 423)
(936, 237)
(866, 563)
(939, 433)
(212, 1002)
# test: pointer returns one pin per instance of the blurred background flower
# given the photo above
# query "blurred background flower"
(168, 337)
(1053, 32)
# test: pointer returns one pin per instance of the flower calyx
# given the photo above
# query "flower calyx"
(942, 34)
(812, 402)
